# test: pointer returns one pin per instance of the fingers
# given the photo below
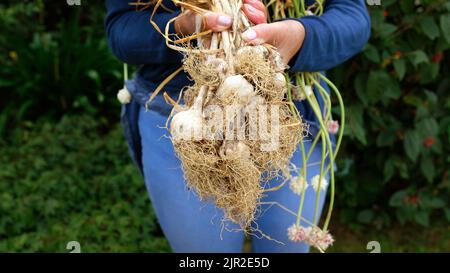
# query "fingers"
(254, 9)
(217, 21)
(263, 33)
(185, 23)
(287, 36)
(257, 4)
(254, 15)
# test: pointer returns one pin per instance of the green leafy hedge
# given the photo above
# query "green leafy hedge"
(54, 60)
(396, 155)
(71, 182)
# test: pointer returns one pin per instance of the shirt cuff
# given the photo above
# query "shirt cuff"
(301, 61)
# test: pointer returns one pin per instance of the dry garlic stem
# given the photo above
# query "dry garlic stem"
(223, 5)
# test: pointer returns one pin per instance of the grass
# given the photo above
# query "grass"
(397, 238)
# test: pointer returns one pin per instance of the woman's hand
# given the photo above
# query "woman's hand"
(185, 24)
(287, 36)
(254, 9)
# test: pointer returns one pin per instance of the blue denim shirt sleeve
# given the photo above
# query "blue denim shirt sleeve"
(133, 39)
(334, 37)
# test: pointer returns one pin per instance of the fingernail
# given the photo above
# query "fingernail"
(224, 20)
(249, 34)
(250, 8)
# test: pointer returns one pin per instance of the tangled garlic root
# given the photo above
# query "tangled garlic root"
(231, 172)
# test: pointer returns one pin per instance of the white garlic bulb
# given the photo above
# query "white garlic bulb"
(260, 51)
(236, 86)
(124, 96)
(257, 100)
(280, 80)
(278, 63)
(234, 149)
(217, 64)
(186, 125)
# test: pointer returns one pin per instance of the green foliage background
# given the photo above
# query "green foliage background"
(65, 173)
(396, 160)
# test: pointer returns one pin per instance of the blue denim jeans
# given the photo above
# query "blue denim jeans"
(191, 225)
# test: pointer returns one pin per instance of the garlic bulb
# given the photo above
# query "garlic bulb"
(260, 51)
(124, 96)
(257, 100)
(254, 102)
(308, 90)
(217, 64)
(236, 87)
(186, 125)
(234, 149)
(278, 63)
(301, 94)
(280, 80)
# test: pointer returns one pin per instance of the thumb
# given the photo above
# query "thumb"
(263, 33)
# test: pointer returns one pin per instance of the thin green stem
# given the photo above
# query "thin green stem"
(303, 172)
(304, 175)
(332, 154)
(323, 134)
(341, 108)
(316, 109)
(327, 101)
(291, 13)
(289, 94)
(312, 145)
(125, 72)
(318, 190)
(317, 112)
(332, 194)
(301, 81)
(325, 96)
(297, 7)
(303, 10)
